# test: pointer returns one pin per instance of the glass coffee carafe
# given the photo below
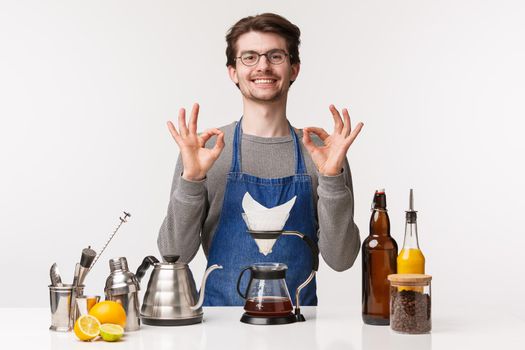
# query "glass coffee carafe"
(267, 297)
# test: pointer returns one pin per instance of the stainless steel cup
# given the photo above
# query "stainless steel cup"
(60, 302)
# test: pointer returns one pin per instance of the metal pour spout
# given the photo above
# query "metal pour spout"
(203, 286)
(411, 214)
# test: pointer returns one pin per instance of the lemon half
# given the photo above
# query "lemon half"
(111, 332)
(87, 328)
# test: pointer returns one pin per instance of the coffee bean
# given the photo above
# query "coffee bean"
(409, 311)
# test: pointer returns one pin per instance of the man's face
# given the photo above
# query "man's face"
(263, 82)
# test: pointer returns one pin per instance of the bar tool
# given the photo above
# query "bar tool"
(73, 303)
(122, 286)
(122, 220)
(81, 270)
(59, 303)
(88, 255)
(54, 274)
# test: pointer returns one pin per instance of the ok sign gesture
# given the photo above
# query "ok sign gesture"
(196, 158)
(329, 158)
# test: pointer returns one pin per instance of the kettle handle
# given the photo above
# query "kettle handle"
(146, 263)
(239, 283)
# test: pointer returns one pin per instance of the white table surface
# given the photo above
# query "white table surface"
(26, 328)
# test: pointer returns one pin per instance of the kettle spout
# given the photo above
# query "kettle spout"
(203, 286)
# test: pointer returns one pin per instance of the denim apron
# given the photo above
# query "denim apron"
(234, 248)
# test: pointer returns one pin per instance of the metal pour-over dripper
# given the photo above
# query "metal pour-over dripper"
(265, 225)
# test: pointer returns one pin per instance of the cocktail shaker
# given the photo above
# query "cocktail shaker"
(122, 286)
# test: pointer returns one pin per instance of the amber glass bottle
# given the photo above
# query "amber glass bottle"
(379, 253)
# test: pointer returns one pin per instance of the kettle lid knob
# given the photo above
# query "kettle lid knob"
(171, 258)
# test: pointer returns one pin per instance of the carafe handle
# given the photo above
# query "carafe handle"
(146, 263)
(239, 282)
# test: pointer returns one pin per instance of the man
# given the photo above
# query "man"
(261, 155)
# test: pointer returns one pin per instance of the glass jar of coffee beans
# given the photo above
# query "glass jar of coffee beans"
(410, 303)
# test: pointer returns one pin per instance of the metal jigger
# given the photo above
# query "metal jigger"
(265, 241)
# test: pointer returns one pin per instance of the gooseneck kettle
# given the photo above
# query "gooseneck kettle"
(171, 298)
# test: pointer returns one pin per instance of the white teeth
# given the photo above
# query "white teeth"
(263, 81)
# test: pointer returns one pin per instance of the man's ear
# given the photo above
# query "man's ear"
(232, 72)
(296, 67)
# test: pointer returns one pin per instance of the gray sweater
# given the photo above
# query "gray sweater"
(195, 207)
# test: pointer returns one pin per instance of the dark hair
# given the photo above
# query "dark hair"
(266, 23)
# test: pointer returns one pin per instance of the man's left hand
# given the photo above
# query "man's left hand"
(330, 157)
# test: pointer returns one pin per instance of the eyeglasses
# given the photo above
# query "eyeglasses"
(251, 58)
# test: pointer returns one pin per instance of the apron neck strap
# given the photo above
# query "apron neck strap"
(300, 167)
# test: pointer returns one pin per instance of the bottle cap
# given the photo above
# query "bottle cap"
(379, 201)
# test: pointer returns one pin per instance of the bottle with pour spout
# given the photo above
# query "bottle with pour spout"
(411, 259)
(379, 252)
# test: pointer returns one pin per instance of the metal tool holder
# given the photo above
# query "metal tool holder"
(87, 261)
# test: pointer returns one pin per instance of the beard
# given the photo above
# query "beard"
(262, 95)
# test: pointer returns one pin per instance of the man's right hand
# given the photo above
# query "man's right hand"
(196, 158)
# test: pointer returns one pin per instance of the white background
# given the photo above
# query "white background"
(86, 89)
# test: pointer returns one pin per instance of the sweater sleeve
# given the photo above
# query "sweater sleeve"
(339, 240)
(181, 229)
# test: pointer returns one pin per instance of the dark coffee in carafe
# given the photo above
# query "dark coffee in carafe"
(268, 306)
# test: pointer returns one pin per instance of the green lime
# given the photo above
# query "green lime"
(111, 332)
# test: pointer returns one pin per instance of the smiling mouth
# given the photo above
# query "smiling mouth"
(264, 81)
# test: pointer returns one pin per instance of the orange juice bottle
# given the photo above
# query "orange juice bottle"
(411, 259)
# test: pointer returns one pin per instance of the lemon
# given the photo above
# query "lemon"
(87, 327)
(111, 332)
(109, 312)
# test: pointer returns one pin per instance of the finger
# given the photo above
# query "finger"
(320, 132)
(354, 133)
(206, 135)
(307, 141)
(173, 132)
(219, 145)
(182, 122)
(338, 122)
(348, 124)
(193, 118)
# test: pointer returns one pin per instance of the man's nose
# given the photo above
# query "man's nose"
(263, 63)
